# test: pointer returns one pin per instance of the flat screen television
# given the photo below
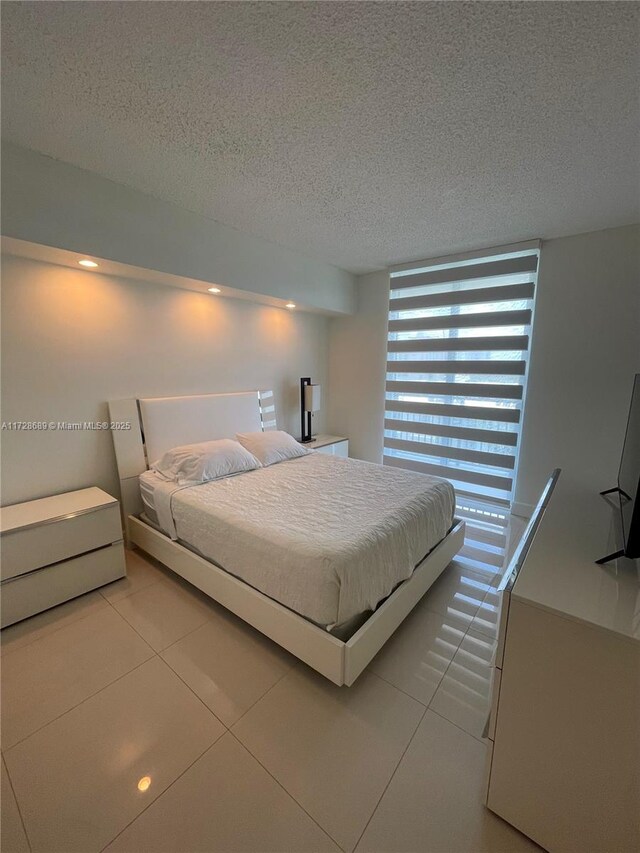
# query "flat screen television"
(628, 487)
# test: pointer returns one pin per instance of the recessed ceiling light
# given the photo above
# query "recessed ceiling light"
(213, 289)
(144, 783)
(85, 262)
(291, 304)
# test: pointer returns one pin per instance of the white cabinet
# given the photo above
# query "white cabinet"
(564, 748)
(56, 548)
(334, 445)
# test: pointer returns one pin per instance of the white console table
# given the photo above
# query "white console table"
(56, 548)
(564, 748)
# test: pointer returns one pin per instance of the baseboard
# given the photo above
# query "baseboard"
(522, 509)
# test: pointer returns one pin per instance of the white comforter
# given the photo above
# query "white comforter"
(325, 536)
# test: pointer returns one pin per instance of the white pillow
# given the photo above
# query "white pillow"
(191, 464)
(273, 446)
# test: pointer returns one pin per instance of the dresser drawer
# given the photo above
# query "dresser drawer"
(25, 595)
(27, 548)
(496, 678)
(505, 603)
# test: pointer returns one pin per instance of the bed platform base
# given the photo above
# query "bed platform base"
(340, 662)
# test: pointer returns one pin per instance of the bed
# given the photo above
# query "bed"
(324, 555)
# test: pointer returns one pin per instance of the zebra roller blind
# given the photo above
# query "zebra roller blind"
(458, 347)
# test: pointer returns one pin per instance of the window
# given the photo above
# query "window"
(458, 348)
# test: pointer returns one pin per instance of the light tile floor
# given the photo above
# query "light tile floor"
(145, 717)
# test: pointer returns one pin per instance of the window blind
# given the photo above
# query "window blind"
(458, 351)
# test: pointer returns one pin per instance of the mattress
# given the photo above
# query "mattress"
(328, 537)
(150, 483)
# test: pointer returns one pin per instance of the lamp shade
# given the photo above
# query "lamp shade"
(312, 398)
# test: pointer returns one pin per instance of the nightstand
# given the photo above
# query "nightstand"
(334, 445)
(56, 548)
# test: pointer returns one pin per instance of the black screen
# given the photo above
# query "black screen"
(629, 477)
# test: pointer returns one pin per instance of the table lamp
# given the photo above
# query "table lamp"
(310, 396)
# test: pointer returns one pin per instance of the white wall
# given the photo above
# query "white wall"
(357, 367)
(585, 350)
(72, 340)
(55, 204)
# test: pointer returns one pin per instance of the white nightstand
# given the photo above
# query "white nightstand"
(56, 548)
(334, 445)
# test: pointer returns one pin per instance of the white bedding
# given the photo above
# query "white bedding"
(156, 493)
(327, 537)
(149, 483)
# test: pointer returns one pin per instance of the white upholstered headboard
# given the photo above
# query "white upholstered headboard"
(171, 421)
(160, 423)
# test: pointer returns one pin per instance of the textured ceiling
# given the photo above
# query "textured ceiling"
(358, 133)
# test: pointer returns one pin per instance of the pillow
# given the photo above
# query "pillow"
(191, 464)
(271, 447)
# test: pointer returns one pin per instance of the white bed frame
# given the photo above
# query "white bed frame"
(158, 424)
